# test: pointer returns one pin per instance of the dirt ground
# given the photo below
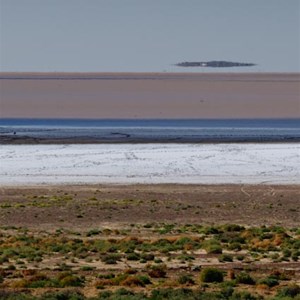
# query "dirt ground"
(84, 207)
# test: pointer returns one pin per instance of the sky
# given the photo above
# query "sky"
(148, 35)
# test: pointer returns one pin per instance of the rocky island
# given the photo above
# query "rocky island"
(214, 64)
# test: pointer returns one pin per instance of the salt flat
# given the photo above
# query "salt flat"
(150, 163)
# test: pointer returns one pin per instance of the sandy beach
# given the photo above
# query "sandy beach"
(150, 95)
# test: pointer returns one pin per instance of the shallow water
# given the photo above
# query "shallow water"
(154, 130)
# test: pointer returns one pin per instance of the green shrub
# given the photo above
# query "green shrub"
(111, 258)
(287, 253)
(225, 258)
(275, 256)
(36, 281)
(295, 256)
(145, 279)
(87, 268)
(244, 296)
(123, 292)
(64, 295)
(236, 246)
(133, 256)
(186, 279)
(211, 230)
(233, 228)
(158, 271)
(120, 278)
(169, 293)
(211, 275)
(71, 280)
(270, 281)
(240, 257)
(133, 281)
(212, 247)
(106, 276)
(183, 241)
(3, 259)
(289, 291)
(93, 232)
(245, 278)
(11, 267)
(185, 257)
(65, 279)
(147, 256)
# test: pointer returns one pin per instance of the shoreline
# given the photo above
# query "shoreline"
(150, 186)
(4, 140)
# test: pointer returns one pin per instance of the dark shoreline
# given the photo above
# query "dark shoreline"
(12, 140)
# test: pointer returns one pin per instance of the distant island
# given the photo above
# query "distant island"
(214, 64)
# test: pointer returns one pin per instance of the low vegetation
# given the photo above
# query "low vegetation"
(151, 261)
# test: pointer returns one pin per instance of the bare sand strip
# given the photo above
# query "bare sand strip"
(150, 95)
(84, 207)
(150, 164)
